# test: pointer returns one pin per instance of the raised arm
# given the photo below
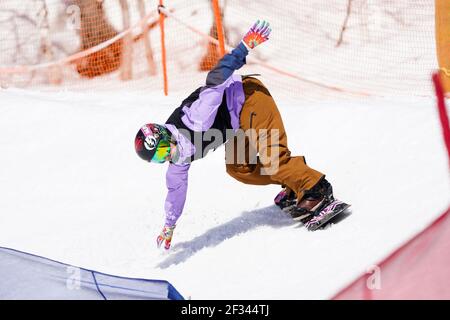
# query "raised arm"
(227, 65)
(230, 62)
(200, 115)
(202, 112)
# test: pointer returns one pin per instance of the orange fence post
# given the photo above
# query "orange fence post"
(163, 47)
(442, 34)
(220, 34)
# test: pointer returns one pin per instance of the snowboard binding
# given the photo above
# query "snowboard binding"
(316, 208)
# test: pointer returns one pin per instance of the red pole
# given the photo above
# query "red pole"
(443, 116)
(163, 48)
(219, 26)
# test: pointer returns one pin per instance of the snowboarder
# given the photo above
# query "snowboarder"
(237, 111)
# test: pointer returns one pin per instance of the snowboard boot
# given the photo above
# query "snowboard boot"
(313, 201)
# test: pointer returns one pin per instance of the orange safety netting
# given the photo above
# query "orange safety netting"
(317, 48)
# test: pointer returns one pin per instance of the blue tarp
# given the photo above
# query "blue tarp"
(27, 276)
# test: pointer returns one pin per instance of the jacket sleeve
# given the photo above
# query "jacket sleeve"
(177, 183)
(227, 65)
(201, 114)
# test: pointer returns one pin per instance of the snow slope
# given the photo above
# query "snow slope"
(73, 190)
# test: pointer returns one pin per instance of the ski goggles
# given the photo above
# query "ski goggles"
(162, 152)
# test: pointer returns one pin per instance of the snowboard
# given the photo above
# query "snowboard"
(335, 208)
(287, 203)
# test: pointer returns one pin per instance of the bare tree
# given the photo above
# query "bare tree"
(145, 32)
(345, 23)
(126, 72)
(95, 29)
(54, 72)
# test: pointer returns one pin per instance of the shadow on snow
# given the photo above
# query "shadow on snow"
(270, 216)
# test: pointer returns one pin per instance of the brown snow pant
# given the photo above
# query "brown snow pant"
(261, 156)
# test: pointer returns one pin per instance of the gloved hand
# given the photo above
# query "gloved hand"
(257, 34)
(165, 236)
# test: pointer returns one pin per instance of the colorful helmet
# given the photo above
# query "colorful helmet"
(152, 143)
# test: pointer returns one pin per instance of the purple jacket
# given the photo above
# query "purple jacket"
(200, 117)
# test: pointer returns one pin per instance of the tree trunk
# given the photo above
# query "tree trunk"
(54, 72)
(148, 48)
(126, 72)
(95, 29)
(345, 23)
(212, 55)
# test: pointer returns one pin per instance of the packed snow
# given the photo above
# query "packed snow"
(73, 189)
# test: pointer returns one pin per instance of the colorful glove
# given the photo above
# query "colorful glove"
(165, 236)
(257, 34)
